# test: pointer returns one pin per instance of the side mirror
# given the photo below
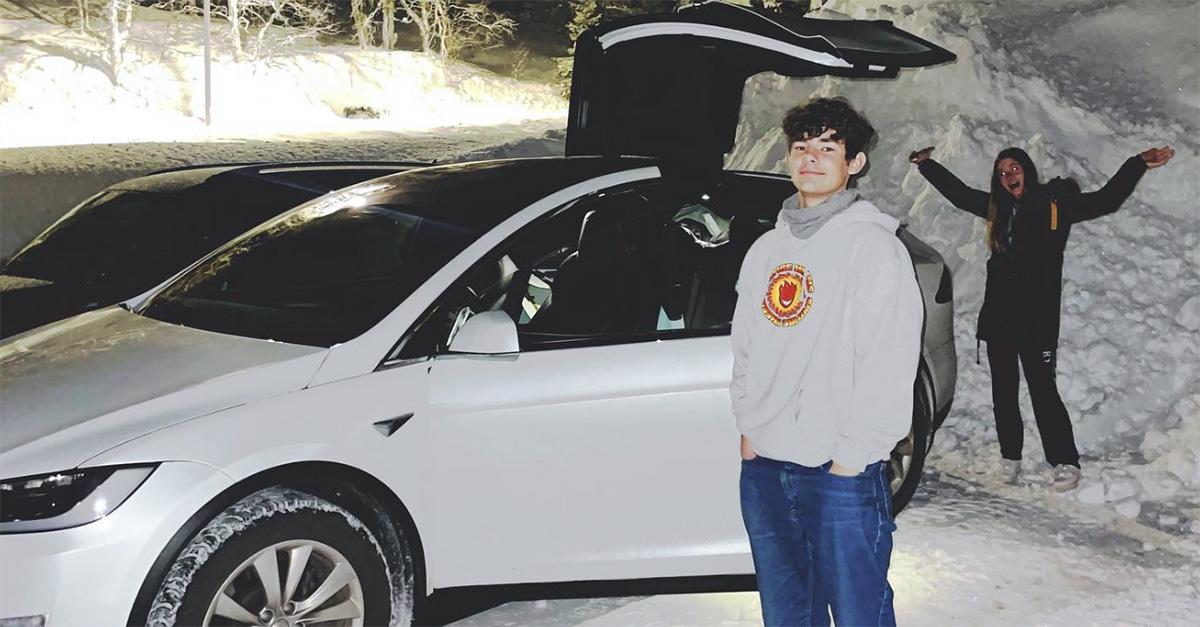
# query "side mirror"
(487, 333)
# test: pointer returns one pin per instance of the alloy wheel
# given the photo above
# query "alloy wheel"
(290, 584)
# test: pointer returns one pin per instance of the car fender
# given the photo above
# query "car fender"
(334, 423)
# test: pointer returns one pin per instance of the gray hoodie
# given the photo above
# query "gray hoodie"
(826, 338)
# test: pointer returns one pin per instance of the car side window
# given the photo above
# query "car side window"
(642, 264)
(653, 262)
(590, 276)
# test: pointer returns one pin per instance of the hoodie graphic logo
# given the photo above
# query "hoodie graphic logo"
(789, 295)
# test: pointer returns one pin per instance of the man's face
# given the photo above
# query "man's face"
(819, 168)
(1012, 176)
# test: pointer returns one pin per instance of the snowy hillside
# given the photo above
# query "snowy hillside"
(1081, 85)
(58, 107)
(55, 88)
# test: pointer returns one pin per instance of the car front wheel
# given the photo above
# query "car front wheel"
(279, 557)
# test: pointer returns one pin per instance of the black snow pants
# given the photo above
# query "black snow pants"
(1054, 424)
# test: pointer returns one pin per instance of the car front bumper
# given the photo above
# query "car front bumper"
(89, 575)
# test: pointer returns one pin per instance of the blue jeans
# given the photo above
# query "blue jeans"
(819, 542)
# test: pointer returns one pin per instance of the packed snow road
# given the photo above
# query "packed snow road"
(966, 554)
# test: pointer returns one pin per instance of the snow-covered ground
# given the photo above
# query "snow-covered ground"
(965, 555)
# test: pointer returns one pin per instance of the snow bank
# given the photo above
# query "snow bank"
(56, 87)
(1081, 85)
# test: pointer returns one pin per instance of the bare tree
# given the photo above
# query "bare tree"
(84, 22)
(448, 27)
(588, 13)
(230, 11)
(234, 17)
(364, 27)
(474, 26)
(265, 25)
(420, 12)
(295, 19)
(116, 36)
(388, 32)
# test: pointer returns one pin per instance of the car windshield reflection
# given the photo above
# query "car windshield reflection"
(319, 275)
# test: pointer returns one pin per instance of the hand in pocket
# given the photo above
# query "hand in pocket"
(747, 450)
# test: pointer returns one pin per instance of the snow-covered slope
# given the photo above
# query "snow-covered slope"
(59, 107)
(56, 87)
(1081, 85)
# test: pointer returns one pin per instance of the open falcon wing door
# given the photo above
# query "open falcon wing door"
(670, 85)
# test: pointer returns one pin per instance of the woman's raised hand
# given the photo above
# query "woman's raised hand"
(1153, 157)
(918, 156)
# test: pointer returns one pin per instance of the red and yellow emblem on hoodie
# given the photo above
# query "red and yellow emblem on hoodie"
(789, 295)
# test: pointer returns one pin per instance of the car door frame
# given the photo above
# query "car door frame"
(478, 405)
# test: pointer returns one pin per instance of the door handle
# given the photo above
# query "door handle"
(389, 426)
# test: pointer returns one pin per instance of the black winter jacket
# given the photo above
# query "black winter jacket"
(1023, 294)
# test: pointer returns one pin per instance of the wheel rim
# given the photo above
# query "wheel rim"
(901, 461)
(290, 584)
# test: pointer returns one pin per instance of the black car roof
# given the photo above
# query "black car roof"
(177, 179)
(493, 190)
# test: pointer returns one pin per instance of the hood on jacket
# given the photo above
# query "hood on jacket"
(858, 211)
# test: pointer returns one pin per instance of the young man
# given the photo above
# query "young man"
(826, 338)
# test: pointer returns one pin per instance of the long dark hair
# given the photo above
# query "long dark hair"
(1000, 201)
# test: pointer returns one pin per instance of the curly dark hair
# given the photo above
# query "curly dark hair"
(819, 115)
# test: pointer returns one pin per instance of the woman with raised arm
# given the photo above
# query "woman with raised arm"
(1028, 225)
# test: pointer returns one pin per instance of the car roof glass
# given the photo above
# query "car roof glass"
(332, 268)
(140, 232)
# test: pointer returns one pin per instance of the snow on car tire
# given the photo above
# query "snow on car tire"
(279, 553)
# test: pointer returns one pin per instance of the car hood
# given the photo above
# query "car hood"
(76, 388)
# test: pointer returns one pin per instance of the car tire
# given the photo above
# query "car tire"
(907, 461)
(324, 561)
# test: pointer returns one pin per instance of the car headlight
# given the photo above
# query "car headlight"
(70, 498)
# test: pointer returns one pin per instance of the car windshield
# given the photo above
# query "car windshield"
(319, 275)
(107, 234)
(328, 270)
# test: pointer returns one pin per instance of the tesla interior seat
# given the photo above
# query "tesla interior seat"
(605, 286)
(491, 284)
(674, 270)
